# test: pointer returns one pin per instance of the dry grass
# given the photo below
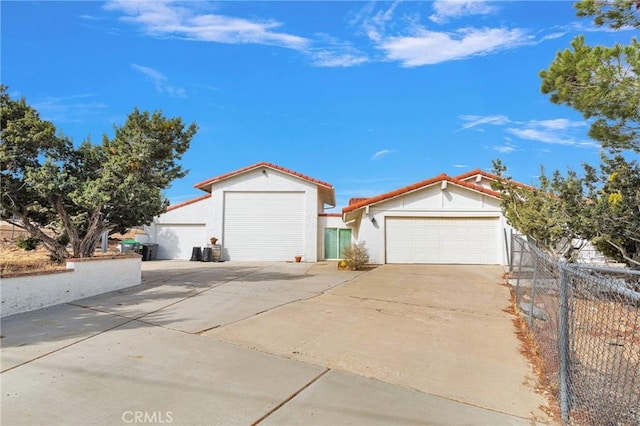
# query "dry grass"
(529, 349)
(14, 260)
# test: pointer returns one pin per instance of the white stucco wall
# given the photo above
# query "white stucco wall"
(432, 201)
(83, 278)
(210, 211)
(271, 181)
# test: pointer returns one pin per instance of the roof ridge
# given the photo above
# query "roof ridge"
(415, 186)
(190, 201)
(199, 185)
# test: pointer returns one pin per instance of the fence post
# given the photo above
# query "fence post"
(533, 289)
(521, 242)
(563, 342)
(511, 250)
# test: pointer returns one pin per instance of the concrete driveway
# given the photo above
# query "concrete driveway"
(273, 343)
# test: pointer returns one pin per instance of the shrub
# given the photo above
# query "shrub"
(27, 243)
(356, 255)
(63, 239)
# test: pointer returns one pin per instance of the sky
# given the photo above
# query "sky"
(367, 96)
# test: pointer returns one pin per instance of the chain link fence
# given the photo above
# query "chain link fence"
(586, 325)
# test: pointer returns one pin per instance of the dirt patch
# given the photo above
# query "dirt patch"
(529, 349)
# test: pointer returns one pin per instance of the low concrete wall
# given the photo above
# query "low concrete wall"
(83, 278)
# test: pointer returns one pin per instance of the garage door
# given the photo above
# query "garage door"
(263, 225)
(442, 240)
(176, 241)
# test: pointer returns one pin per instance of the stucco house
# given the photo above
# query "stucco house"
(267, 212)
(260, 212)
(444, 219)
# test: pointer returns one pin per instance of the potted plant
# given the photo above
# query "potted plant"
(213, 240)
(298, 258)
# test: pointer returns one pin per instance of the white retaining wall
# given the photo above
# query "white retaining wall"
(83, 278)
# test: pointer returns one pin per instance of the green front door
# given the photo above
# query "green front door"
(335, 240)
(344, 240)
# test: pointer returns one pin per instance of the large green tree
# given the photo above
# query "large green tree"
(80, 192)
(602, 204)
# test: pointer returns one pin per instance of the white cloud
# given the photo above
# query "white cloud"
(160, 82)
(375, 25)
(172, 19)
(461, 166)
(532, 131)
(192, 21)
(445, 10)
(70, 109)
(381, 153)
(429, 47)
(558, 131)
(477, 120)
(326, 58)
(557, 124)
(336, 53)
(507, 148)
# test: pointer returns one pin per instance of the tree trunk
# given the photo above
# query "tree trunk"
(58, 252)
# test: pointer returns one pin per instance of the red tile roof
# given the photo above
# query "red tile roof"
(476, 172)
(202, 184)
(330, 214)
(186, 203)
(440, 178)
(356, 200)
(489, 176)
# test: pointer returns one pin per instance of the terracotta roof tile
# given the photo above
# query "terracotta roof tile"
(330, 214)
(186, 203)
(415, 186)
(200, 185)
(356, 200)
(476, 172)
(489, 176)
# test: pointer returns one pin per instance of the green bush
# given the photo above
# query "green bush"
(27, 243)
(356, 255)
(63, 239)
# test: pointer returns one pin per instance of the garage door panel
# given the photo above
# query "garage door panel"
(263, 225)
(442, 240)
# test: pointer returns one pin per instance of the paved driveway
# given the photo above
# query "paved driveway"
(274, 343)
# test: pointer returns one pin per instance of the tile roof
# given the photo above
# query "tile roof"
(490, 176)
(202, 184)
(186, 203)
(418, 185)
(330, 214)
(356, 200)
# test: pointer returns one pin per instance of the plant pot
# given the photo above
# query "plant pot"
(213, 240)
(298, 259)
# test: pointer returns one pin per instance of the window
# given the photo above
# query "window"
(335, 240)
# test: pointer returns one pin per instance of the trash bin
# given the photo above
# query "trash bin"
(207, 254)
(153, 251)
(146, 252)
(149, 251)
(216, 252)
(127, 246)
(196, 254)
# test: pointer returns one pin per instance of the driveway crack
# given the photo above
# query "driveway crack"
(296, 393)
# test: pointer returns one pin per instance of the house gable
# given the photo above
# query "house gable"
(326, 191)
(436, 193)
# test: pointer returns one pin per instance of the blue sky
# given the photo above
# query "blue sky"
(368, 96)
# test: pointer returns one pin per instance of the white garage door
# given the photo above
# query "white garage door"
(442, 240)
(263, 225)
(176, 241)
